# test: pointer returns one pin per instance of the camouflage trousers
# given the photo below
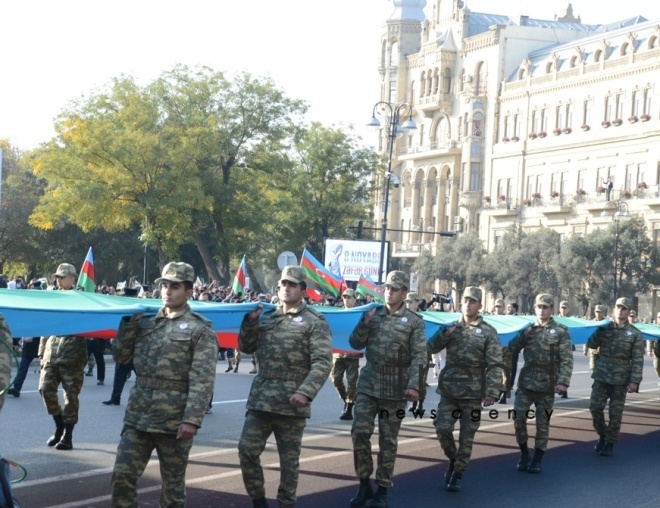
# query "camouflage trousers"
(351, 368)
(288, 432)
(600, 393)
(449, 411)
(71, 377)
(367, 408)
(133, 453)
(507, 360)
(656, 365)
(543, 404)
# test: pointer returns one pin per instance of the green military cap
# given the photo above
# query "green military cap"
(349, 292)
(473, 293)
(564, 305)
(177, 272)
(412, 297)
(633, 313)
(544, 299)
(499, 302)
(624, 302)
(64, 270)
(397, 279)
(599, 308)
(293, 273)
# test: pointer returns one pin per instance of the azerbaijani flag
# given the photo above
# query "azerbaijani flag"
(87, 279)
(238, 285)
(366, 286)
(319, 275)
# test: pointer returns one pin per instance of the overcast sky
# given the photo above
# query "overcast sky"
(325, 52)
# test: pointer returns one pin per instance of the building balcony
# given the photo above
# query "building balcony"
(501, 208)
(470, 199)
(431, 103)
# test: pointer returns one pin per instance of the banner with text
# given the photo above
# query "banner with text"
(352, 258)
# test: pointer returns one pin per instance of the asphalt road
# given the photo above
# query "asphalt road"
(573, 475)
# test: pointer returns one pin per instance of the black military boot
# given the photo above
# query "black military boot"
(365, 493)
(90, 372)
(114, 401)
(59, 430)
(600, 444)
(420, 406)
(523, 463)
(66, 443)
(260, 503)
(413, 407)
(608, 450)
(454, 484)
(380, 499)
(348, 412)
(535, 465)
(449, 472)
(564, 395)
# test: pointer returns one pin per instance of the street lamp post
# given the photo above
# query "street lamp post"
(618, 210)
(391, 115)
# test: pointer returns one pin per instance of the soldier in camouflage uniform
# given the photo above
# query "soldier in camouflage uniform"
(294, 352)
(472, 377)
(6, 357)
(548, 355)
(174, 354)
(618, 371)
(600, 313)
(417, 407)
(63, 362)
(394, 338)
(346, 364)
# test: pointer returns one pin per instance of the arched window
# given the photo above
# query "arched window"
(598, 55)
(436, 81)
(653, 42)
(422, 84)
(429, 82)
(625, 48)
(548, 68)
(477, 124)
(573, 62)
(522, 74)
(441, 134)
(446, 81)
(482, 78)
(394, 55)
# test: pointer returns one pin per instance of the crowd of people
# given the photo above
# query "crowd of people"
(175, 352)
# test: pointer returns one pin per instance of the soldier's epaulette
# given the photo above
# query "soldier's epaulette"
(315, 312)
(487, 325)
(201, 318)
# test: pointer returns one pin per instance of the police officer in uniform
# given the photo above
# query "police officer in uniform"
(347, 364)
(618, 371)
(394, 338)
(474, 364)
(293, 345)
(174, 354)
(548, 356)
(63, 362)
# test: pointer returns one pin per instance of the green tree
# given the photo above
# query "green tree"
(325, 191)
(458, 261)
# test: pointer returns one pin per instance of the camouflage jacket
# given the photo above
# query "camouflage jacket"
(395, 352)
(294, 354)
(621, 358)
(656, 348)
(474, 360)
(548, 356)
(6, 357)
(174, 358)
(67, 350)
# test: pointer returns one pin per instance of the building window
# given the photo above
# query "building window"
(647, 101)
(573, 62)
(608, 109)
(586, 113)
(436, 81)
(393, 91)
(598, 55)
(429, 82)
(475, 176)
(446, 81)
(619, 105)
(422, 85)
(482, 78)
(534, 120)
(634, 110)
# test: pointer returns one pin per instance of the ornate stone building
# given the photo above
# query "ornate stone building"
(518, 122)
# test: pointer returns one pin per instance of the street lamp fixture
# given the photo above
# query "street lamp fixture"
(618, 210)
(391, 116)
